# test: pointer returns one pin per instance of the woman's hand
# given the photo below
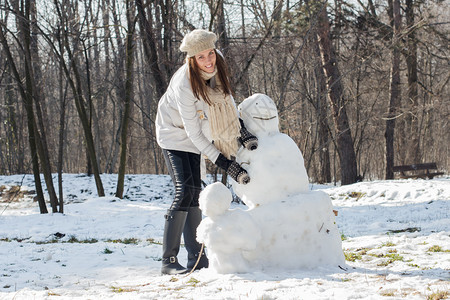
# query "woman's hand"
(238, 173)
(248, 140)
(233, 169)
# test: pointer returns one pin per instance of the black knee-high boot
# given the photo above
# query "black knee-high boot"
(193, 247)
(173, 229)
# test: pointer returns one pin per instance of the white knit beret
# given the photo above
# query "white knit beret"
(197, 41)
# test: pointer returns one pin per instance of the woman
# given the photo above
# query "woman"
(196, 109)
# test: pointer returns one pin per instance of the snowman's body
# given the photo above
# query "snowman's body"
(286, 226)
(276, 168)
(266, 163)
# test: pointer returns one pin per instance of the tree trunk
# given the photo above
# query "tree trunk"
(413, 148)
(394, 100)
(118, 58)
(345, 149)
(150, 50)
(62, 122)
(324, 136)
(79, 102)
(42, 145)
(13, 156)
(244, 82)
(26, 93)
(90, 109)
(128, 98)
(222, 31)
(102, 111)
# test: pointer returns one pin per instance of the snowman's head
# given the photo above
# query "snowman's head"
(215, 200)
(259, 114)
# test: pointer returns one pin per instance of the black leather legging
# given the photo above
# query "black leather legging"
(184, 168)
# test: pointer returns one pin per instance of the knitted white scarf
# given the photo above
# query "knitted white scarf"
(223, 118)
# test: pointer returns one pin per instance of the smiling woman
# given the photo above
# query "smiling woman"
(197, 109)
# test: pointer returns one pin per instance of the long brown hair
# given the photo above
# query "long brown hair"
(198, 83)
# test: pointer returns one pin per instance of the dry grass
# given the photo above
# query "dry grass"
(13, 193)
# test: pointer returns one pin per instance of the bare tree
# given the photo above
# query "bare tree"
(394, 89)
(26, 91)
(150, 48)
(129, 57)
(412, 145)
(335, 95)
(323, 130)
(38, 96)
(76, 86)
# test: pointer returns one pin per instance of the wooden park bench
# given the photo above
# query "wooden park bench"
(418, 171)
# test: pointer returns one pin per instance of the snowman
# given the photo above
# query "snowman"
(285, 226)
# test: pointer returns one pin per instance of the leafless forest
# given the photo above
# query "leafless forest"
(360, 85)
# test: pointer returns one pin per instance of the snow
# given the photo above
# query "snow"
(285, 244)
(111, 247)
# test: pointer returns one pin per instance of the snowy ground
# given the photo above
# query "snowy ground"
(396, 237)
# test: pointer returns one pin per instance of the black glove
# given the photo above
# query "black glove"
(248, 140)
(233, 169)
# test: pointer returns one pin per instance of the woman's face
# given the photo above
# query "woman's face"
(206, 60)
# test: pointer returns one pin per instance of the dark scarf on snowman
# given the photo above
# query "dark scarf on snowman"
(223, 118)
